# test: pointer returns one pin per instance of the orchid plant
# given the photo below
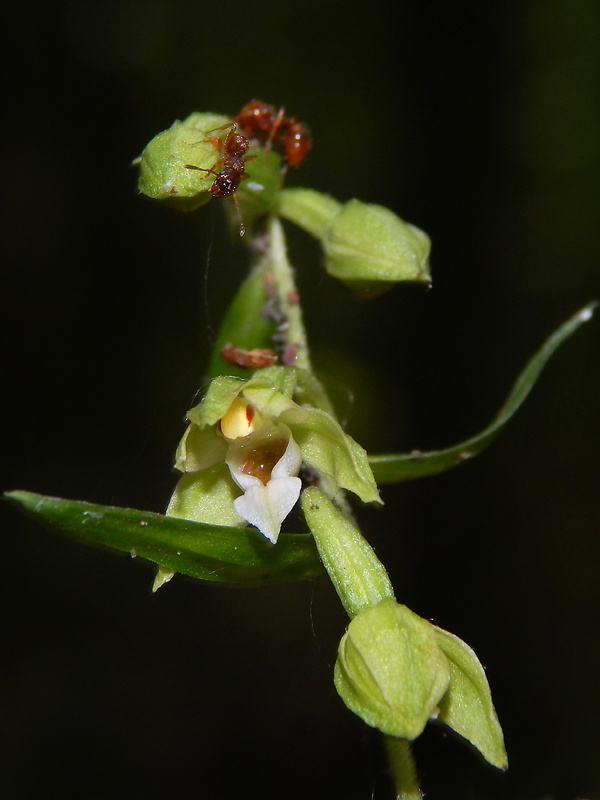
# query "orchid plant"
(265, 439)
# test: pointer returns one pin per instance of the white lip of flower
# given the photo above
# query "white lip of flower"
(264, 461)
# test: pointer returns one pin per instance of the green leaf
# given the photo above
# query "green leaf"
(467, 706)
(243, 326)
(241, 557)
(359, 577)
(396, 467)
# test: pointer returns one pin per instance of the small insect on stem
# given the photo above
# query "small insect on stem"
(249, 359)
(230, 168)
(263, 121)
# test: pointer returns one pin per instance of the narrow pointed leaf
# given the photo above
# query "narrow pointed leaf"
(232, 556)
(244, 325)
(396, 467)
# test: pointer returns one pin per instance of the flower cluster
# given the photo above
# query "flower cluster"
(251, 436)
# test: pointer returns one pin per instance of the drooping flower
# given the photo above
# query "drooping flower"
(252, 436)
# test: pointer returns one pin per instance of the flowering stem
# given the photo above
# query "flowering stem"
(287, 294)
(402, 767)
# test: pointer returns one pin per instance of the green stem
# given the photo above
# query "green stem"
(402, 767)
(287, 295)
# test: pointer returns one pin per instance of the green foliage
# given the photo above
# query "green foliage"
(396, 467)
(358, 576)
(240, 557)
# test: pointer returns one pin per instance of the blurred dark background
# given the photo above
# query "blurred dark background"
(478, 122)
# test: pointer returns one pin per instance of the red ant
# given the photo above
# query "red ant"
(232, 165)
(261, 119)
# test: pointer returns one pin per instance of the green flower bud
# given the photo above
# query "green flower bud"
(175, 168)
(367, 247)
(163, 171)
(390, 670)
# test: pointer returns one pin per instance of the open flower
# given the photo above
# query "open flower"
(264, 461)
(252, 436)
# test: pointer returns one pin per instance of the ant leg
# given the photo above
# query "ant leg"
(214, 141)
(237, 208)
(232, 125)
(202, 169)
(275, 128)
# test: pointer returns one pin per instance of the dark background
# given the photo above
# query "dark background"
(478, 122)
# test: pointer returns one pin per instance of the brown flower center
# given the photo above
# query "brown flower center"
(259, 461)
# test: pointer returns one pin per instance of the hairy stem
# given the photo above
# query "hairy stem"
(402, 768)
(287, 295)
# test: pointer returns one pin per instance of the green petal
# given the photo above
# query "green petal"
(396, 467)
(235, 556)
(199, 448)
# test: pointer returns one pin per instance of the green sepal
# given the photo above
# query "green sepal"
(358, 576)
(396, 467)
(310, 392)
(390, 670)
(206, 496)
(220, 395)
(163, 172)
(234, 556)
(467, 706)
(328, 449)
(367, 247)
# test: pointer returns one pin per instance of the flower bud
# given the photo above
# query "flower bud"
(390, 670)
(165, 173)
(179, 167)
(369, 249)
(366, 246)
